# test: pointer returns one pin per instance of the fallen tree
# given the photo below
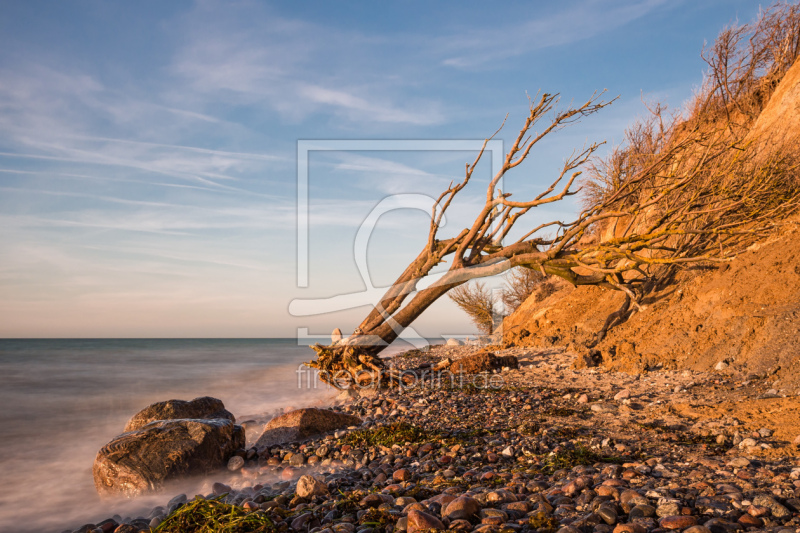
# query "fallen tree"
(683, 192)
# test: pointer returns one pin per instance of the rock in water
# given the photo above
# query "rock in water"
(336, 336)
(205, 408)
(301, 424)
(141, 461)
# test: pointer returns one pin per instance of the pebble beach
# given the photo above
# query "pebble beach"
(544, 447)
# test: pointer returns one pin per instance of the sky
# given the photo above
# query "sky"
(150, 152)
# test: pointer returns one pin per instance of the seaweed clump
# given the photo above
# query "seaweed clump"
(214, 516)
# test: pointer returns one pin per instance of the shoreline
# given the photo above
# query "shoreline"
(553, 449)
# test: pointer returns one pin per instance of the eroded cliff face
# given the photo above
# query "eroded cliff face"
(745, 313)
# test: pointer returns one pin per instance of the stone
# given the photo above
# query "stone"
(460, 525)
(442, 499)
(336, 336)
(677, 522)
(748, 443)
(755, 510)
(419, 521)
(401, 475)
(573, 487)
(739, 462)
(301, 424)
(750, 521)
(108, 525)
(777, 510)
(697, 529)
(624, 394)
(722, 365)
(297, 459)
(309, 487)
(642, 510)
(454, 342)
(199, 408)
(299, 523)
(501, 496)
(375, 500)
(462, 508)
(141, 461)
(522, 507)
(793, 504)
(668, 509)
(235, 463)
(220, 488)
(608, 515)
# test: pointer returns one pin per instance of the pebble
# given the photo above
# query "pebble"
(401, 474)
(777, 510)
(461, 508)
(235, 463)
(418, 521)
(309, 487)
(677, 522)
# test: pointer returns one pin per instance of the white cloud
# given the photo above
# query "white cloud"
(296, 68)
(478, 48)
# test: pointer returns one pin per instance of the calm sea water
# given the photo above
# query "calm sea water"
(64, 399)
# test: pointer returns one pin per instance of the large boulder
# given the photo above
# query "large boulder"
(302, 424)
(202, 408)
(143, 460)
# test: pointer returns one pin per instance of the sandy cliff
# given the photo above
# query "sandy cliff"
(745, 313)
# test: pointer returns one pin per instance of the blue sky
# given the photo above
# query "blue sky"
(148, 150)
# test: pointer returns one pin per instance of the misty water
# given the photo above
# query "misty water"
(64, 399)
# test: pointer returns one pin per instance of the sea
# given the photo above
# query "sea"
(63, 399)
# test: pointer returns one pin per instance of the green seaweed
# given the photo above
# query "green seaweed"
(214, 516)
(389, 435)
(570, 458)
(543, 523)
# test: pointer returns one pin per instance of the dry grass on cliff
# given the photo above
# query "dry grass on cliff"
(717, 185)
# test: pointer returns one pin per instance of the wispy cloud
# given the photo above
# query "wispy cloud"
(481, 47)
(282, 63)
